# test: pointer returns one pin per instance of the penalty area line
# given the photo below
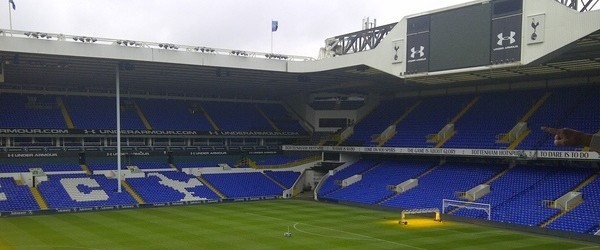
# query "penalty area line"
(351, 233)
(366, 237)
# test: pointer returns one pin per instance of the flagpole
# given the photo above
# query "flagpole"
(271, 42)
(10, 18)
(271, 36)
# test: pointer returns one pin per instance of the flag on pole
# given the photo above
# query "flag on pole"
(11, 2)
(274, 25)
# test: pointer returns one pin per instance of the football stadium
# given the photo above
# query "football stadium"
(420, 134)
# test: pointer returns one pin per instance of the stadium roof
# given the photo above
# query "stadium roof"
(582, 58)
(81, 73)
(60, 62)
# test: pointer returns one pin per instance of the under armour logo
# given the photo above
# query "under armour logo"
(511, 38)
(414, 51)
(90, 131)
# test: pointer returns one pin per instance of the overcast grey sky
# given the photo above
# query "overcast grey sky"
(229, 24)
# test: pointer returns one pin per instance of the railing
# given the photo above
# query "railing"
(291, 164)
(151, 45)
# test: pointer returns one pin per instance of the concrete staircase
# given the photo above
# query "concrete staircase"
(65, 113)
(38, 198)
(132, 192)
(214, 189)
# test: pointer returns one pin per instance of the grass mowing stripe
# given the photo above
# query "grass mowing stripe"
(259, 225)
(352, 235)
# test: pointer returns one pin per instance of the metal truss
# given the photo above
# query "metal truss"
(359, 41)
(579, 5)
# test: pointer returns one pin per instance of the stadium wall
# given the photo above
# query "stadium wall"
(561, 27)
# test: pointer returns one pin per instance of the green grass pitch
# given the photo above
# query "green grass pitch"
(259, 225)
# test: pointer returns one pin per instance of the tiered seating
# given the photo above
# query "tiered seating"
(15, 197)
(231, 116)
(493, 114)
(566, 107)
(99, 113)
(583, 218)
(142, 162)
(527, 208)
(278, 159)
(377, 121)
(286, 178)
(373, 186)
(150, 164)
(358, 167)
(173, 115)
(280, 116)
(517, 196)
(171, 187)
(443, 183)
(244, 185)
(41, 112)
(206, 161)
(428, 118)
(69, 191)
(48, 165)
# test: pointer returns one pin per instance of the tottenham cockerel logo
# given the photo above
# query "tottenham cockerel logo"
(510, 38)
(414, 52)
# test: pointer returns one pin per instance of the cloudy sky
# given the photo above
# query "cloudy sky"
(228, 24)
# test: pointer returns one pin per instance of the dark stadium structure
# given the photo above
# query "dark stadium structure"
(443, 111)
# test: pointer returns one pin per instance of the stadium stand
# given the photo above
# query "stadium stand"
(413, 130)
(230, 116)
(15, 197)
(483, 99)
(281, 117)
(331, 184)
(278, 159)
(583, 218)
(285, 178)
(22, 165)
(517, 196)
(173, 115)
(171, 187)
(566, 107)
(377, 121)
(142, 162)
(455, 176)
(92, 112)
(80, 190)
(500, 111)
(373, 187)
(30, 111)
(206, 161)
(244, 185)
